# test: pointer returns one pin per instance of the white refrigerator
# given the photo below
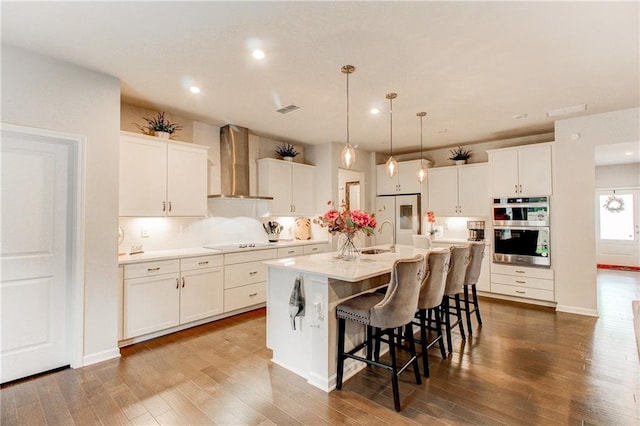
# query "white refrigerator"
(404, 212)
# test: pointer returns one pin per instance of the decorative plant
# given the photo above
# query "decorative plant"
(347, 221)
(160, 124)
(431, 218)
(460, 153)
(286, 150)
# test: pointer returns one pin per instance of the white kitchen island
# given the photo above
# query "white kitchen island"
(310, 350)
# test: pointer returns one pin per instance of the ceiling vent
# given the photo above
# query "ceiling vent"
(567, 110)
(288, 109)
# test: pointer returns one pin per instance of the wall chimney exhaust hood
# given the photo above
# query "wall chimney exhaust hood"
(234, 164)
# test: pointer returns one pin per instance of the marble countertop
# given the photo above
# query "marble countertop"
(326, 264)
(201, 251)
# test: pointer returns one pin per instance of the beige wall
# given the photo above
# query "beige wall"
(618, 176)
(41, 92)
(573, 215)
(131, 116)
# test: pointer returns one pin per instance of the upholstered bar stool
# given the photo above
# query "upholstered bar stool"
(470, 281)
(460, 257)
(431, 294)
(382, 314)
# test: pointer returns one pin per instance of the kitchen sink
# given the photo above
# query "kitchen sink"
(375, 251)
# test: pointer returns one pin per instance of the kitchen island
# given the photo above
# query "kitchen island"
(310, 349)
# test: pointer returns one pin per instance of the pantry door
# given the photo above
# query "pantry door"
(618, 227)
(34, 281)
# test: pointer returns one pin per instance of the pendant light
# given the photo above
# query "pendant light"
(391, 164)
(421, 174)
(348, 153)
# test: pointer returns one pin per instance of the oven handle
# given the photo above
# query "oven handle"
(527, 228)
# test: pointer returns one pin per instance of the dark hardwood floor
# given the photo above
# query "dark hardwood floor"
(526, 365)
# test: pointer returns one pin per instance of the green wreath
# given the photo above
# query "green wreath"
(614, 204)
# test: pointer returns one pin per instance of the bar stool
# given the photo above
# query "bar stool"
(382, 314)
(470, 281)
(431, 294)
(460, 257)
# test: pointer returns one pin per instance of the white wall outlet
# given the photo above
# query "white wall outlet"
(144, 232)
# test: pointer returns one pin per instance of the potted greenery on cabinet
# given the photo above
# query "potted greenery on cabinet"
(160, 126)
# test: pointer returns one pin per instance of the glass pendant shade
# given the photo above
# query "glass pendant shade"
(348, 152)
(421, 174)
(348, 156)
(392, 167)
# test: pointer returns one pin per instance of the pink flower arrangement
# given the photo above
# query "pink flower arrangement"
(347, 221)
(431, 218)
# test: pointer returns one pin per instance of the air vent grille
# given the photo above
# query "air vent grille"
(288, 109)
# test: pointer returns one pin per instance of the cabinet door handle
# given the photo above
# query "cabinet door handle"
(169, 205)
(521, 292)
(157, 268)
(521, 188)
(253, 272)
(520, 272)
(203, 263)
(177, 283)
(516, 188)
(521, 282)
(253, 294)
(164, 206)
(182, 282)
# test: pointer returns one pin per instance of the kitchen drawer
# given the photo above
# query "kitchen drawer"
(202, 262)
(250, 256)
(530, 293)
(290, 251)
(244, 273)
(521, 281)
(499, 268)
(247, 295)
(316, 248)
(150, 269)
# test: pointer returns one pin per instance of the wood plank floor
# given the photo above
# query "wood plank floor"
(526, 365)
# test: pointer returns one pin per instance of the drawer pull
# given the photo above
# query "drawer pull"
(291, 251)
(521, 292)
(253, 272)
(314, 249)
(177, 283)
(521, 282)
(253, 294)
(521, 272)
(203, 263)
(153, 269)
(182, 282)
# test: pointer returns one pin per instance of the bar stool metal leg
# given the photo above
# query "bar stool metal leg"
(341, 357)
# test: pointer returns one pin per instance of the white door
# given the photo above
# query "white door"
(34, 281)
(186, 181)
(618, 227)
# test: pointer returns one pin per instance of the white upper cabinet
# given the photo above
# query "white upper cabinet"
(292, 186)
(160, 178)
(404, 182)
(459, 190)
(521, 171)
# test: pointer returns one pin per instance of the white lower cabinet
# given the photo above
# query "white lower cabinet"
(316, 248)
(163, 294)
(245, 278)
(531, 283)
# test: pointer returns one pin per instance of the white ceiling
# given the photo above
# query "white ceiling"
(472, 66)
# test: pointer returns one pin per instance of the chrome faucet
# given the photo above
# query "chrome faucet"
(392, 247)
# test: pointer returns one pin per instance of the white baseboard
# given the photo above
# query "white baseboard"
(577, 310)
(100, 357)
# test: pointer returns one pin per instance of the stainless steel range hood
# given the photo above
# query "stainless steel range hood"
(234, 164)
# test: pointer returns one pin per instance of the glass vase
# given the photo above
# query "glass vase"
(347, 247)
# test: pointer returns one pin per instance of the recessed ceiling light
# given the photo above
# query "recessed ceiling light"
(567, 110)
(258, 54)
(194, 89)
(519, 116)
(375, 111)
(628, 153)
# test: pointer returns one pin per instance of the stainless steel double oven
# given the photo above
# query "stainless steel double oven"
(521, 231)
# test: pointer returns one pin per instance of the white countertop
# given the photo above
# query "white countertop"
(200, 251)
(326, 264)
